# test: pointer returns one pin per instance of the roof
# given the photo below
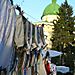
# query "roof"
(51, 9)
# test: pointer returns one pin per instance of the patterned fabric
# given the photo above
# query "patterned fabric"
(7, 28)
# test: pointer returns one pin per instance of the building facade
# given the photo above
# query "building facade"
(49, 14)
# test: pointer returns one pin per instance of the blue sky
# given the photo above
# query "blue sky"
(34, 8)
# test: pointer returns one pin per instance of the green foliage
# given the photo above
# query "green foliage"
(63, 27)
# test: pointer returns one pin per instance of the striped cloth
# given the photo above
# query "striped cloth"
(7, 28)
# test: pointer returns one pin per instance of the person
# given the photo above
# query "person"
(49, 67)
(47, 64)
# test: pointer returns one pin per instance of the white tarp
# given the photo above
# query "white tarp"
(7, 28)
(52, 53)
(62, 69)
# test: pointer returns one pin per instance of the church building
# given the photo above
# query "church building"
(49, 14)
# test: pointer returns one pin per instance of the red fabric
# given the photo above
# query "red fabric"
(47, 67)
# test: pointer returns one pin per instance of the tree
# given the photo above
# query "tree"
(63, 27)
(63, 32)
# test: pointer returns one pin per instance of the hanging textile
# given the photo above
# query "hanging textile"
(33, 35)
(35, 61)
(40, 65)
(26, 69)
(23, 65)
(32, 57)
(28, 34)
(7, 28)
(38, 35)
(19, 33)
(27, 24)
(31, 29)
(29, 71)
(25, 72)
(42, 35)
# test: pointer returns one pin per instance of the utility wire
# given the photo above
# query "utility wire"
(31, 16)
(27, 13)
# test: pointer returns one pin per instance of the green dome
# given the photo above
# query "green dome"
(51, 9)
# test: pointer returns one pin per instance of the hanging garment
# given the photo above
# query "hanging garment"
(28, 71)
(7, 28)
(42, 36)
(27, 60)
(23, 65)
(14, 73)
(25, 71)
(27, 25)
(25, 33)
(40, 66)
(19, 33)
(35, 61)
(38, 35)
(28, 34)
(32, 70)
(36, 38)
(32, 59)
(33, 35)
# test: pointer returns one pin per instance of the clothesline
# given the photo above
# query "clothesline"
(17, 30)
(22, 11)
